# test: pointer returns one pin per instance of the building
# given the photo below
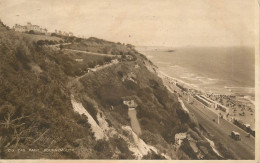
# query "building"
(44, 31)
(34, 28)
(30, 27)
(63, 33)
(130, 102)
(20, 28)
(222, 108)
(210, 103)
(214, 104)
(70, 34)
(245, 127)
(181, 87)
(204, 101)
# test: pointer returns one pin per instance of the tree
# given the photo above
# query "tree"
(123, 56)
(106, 50)
(92, 64)
(107, 59)
(120, 74)
(101, 62)
(13, 126)
(31, 32)
(40, 42)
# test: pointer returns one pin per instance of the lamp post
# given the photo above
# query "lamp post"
(218, 116)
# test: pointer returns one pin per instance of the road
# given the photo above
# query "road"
(57, 47)
(92, 53)
(243, 149)
(76, 79)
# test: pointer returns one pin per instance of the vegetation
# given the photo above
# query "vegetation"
(101, 46)
(36, 84)
(35, 107)
(153, 156)
(158, 111)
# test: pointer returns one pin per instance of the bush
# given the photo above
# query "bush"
(31, 32)
(100, 62)
(40, 42)
(120, 74)
(185, 147)
(153, 156)
(131, 85)
(101, 145)
(107, 59)
(22, 54)
(120, 144)
(92, 64)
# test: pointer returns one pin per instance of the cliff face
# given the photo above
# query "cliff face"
(67, 109)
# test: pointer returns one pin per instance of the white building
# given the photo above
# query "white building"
(20, 28)
(30, 27)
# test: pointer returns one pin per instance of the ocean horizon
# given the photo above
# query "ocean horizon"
(212, 69)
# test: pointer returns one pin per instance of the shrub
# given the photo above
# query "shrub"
(40, 42)
(22, 54)
(31, 32)
(107, 59)
(185, 147)
(153, 156)
(120, 74)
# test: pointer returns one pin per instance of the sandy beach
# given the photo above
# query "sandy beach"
(243, 109)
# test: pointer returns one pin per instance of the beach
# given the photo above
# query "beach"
(208, 72)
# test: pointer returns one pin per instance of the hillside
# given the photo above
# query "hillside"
(54, 106)
(101, 46)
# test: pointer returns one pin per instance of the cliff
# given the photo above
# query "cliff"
(65, 108)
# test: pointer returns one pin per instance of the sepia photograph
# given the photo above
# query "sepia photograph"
(129, 80)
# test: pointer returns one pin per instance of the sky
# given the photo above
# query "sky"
(171, 23)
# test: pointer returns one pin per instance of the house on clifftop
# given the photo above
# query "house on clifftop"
(30, 27)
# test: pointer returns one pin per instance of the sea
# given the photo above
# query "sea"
(219, 70)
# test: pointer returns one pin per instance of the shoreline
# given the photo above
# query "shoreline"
(206, 82)
(162, 74)
(197, 88)
(168, 81)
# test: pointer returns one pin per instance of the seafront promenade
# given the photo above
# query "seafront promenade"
(220, 127)
(229, 107)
